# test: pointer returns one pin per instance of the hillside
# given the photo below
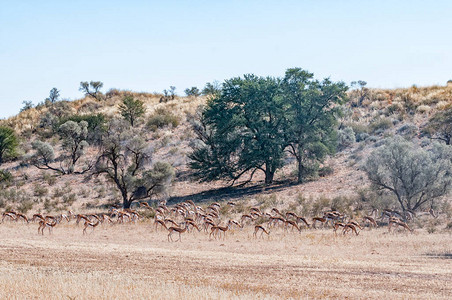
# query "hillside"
(373, 114)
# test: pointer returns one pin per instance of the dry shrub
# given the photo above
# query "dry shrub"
(380, 125)
(423, 109)
(162, 118)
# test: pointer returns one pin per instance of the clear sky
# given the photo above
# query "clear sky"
(151, 45)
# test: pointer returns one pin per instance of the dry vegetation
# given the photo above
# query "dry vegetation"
(134, 261)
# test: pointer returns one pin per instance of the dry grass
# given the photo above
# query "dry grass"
(133, 261)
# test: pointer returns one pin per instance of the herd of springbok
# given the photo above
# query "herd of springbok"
(187, 216)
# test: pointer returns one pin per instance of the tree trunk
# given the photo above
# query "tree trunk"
(269, 176)
(125, 200)
(300, 171)
(126, 203)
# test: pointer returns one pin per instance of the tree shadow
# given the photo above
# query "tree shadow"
(231, 193)
(439, 255)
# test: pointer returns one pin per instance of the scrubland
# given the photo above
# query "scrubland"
(136, 261)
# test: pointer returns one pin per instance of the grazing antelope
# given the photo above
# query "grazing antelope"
(44, 224)
(90, 224)
(349, 227)
(318, 219)
(258, 228)
(370, 220)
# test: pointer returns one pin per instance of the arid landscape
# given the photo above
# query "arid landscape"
(129, 257)
(135, 261)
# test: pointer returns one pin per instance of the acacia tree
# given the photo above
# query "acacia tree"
(311, 114)
(8, 142)
(211, 89)
(74, 144)
(91, 89)
(241, 131)
(414, 176)
(53, 95)
(126, 160)
(192, 92)
(439, 127)
(131, 109)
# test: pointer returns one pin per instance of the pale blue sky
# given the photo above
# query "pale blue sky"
(150, 45)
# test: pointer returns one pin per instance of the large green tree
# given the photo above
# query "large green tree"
(311, 111)
(241, 130)
(8, 142)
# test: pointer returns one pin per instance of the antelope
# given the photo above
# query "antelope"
(178, 230)
(259, 227)
(90, 224)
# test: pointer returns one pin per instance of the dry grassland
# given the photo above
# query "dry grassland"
(135, 262)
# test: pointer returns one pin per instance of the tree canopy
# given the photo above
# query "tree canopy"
(91, 88)
(251, 121)
(126, 160)
(413, 175)
(439, 126)
(312, 108)
(131, 109)
(8, 143)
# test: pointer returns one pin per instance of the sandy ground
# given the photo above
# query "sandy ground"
(134, 261)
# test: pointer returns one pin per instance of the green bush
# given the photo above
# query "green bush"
(40, 191)
(5, 176)
(96, 125)
(161, 118)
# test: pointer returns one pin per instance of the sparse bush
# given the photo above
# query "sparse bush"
(423, 109)
(380, 125)
(89, 107)
(25, 206)
(358, 128)
(345, 138)
(396, 107)
(96, 125)
(58, 192)
(161, 118)
(372, 139)
(449, 226)
(50, 179)
(319, 205)
(408, 130)
(362, 136)
(69, 198)
(39, 190)
(101, 192)
(326, 171)
(5, 176)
